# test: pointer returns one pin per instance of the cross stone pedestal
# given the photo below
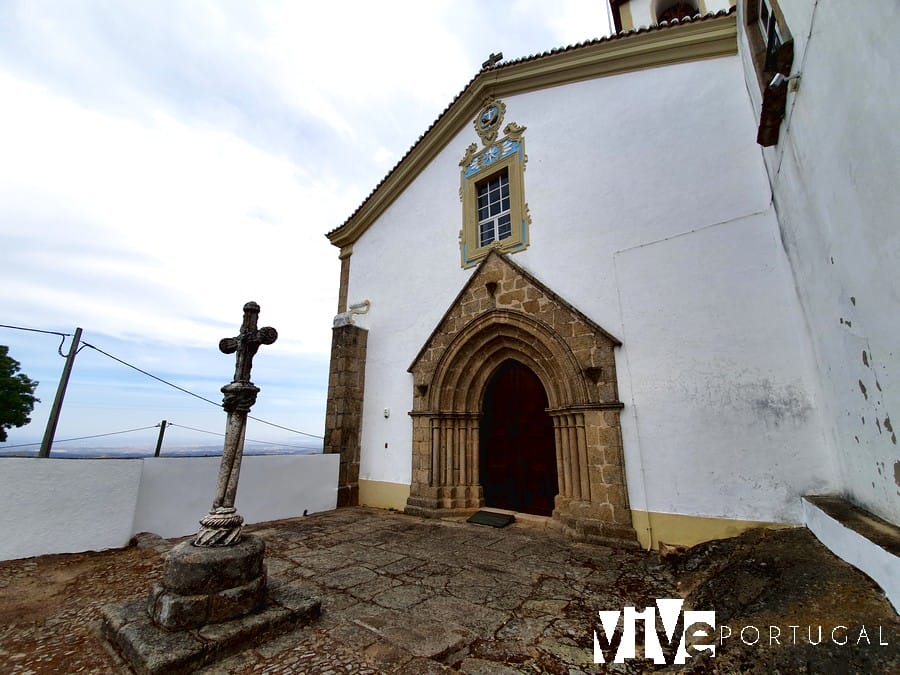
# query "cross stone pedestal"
(150, 649)
(202, 585)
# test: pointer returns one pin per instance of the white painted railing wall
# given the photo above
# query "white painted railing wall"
(70, 505)
(852, 547)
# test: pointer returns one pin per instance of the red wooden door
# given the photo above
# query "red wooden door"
(518, 455)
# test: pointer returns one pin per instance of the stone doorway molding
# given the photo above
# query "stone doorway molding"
(505, 313)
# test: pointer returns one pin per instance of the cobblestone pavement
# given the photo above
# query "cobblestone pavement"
(399, 595)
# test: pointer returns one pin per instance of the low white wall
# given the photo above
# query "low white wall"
(70, 505)
(65, 505)
(852, 547)
(177, 492)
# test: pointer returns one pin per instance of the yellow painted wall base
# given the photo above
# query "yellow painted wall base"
(383, 495)
(678, 529)
(674, 529)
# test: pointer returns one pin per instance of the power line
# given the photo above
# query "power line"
(272, 424)
(202, 398)
(47, 332)
(151, 375)
(35, 330)
(216, 433)
(202, 431)
(83, 438)
(159, 379)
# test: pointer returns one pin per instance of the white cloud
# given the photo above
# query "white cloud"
(187, 200)
(164, 162)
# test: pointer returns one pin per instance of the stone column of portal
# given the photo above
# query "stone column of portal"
(220, 575)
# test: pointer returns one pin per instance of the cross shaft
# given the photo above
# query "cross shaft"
(222, 526)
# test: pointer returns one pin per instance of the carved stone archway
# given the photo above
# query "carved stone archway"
(505, 313)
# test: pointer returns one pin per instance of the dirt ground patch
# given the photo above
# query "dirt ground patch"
(789, 606)
(39, 588)
(49, 608)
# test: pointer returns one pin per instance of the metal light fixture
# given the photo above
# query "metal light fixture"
(780, 80)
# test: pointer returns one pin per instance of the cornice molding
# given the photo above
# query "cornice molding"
(692, 41)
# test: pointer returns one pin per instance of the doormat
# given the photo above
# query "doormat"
(492, 519)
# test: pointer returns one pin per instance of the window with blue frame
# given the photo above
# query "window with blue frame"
(495, 214)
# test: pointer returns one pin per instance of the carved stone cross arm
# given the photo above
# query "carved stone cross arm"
(247, 343)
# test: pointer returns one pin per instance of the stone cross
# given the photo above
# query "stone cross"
(222, 526)
(247, 342)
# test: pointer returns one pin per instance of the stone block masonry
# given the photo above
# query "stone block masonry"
(208, 585)
(343, 411)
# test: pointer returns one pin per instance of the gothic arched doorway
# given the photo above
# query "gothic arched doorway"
(502, 322)
(517, 460)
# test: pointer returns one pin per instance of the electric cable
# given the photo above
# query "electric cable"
(47, 332)
(83, 438)
(35, 330)
(202, 398)
(272, 424)
(216, 433)
(159, 379)
(151, 375)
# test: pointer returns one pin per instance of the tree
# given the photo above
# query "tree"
(16, 394)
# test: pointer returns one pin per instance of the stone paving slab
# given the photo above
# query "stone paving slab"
(409, 596)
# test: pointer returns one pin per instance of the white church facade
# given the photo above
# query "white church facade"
(636, 286)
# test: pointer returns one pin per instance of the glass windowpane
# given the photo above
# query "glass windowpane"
(493, 202)
(504, 227)
(487, 233)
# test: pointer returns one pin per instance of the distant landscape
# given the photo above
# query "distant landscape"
(120, 452)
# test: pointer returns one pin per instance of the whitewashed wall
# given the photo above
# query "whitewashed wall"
(861, 552)
(835, 174)
(721, 420)
(615, 165)
(176, 492)
(65, 505)
(70, 505)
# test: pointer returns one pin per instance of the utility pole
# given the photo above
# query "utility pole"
(162, 431)
(50, 432)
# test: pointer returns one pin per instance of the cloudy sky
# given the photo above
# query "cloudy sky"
(162, 162)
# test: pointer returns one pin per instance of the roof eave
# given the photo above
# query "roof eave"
(709, 37)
